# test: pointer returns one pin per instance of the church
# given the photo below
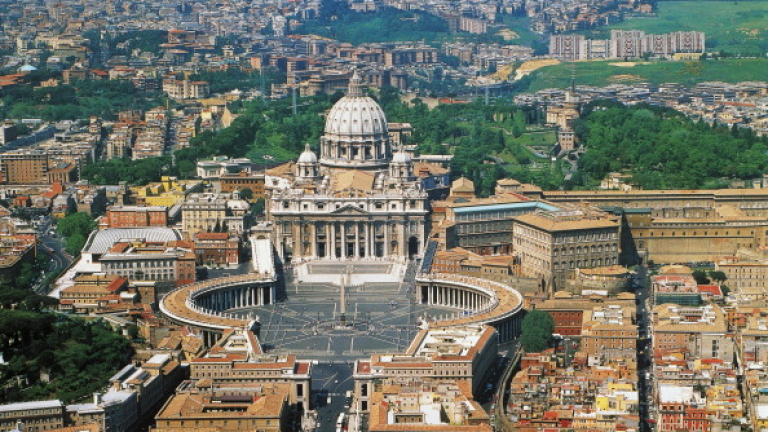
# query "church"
(359, 200)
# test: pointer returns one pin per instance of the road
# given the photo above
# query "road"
(330, 381)
(53, 245)
(644, 347)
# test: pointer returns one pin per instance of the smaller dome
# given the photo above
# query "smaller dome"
(401, 157)
(307, 156)
(27, 68)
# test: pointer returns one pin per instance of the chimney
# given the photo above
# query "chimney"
(97, 399)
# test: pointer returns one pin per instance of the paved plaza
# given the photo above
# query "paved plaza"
(358, 272)
(380, 316)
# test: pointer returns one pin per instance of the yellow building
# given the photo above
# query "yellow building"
(168, 192)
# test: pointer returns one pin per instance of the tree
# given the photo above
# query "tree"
(76, 223)
(537, 330)
(701, 277)
(75, 243)
(718, 276)
(258, 207)
(246, 194)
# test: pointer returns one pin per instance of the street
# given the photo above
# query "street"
(53, 245)
(330, 382)
(644, 347)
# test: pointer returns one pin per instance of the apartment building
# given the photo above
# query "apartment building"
(206, 212)
(143, 260)
(217, 249)
(237, 359)
(224, 408)
(185, 89)
(610, 331)
(702, 330)
(127, 216)
(460, 353)
(34, 416)
(25, 167)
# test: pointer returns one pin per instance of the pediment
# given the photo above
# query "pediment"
(349, 209)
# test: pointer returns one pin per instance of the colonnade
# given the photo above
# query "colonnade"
(353, 239)
(488, 302)
(449, 296)
(236, 297)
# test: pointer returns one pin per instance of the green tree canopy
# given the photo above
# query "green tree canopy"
(718, 276)
(246, 193)
(701, 277)
(663, 149)
(537, 330)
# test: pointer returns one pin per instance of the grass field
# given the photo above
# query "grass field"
(602, 73)
(734, 27)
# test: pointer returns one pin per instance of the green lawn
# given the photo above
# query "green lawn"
(735, 27)
(602, 73)
(539, 138)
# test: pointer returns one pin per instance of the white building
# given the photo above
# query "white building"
(359, 200)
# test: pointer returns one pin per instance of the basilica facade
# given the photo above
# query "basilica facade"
(359, 200)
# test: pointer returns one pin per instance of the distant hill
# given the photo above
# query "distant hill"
(602, 73)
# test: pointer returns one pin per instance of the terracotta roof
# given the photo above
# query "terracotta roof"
(552, 224)
(353, 179)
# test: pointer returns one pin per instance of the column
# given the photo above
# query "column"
(403, 247)
(332, 240)
(386, 240)
(313, 233)
(343, 240)
(300, 252)
(372, 238)
(357, 239)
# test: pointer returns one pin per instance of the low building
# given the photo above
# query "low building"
(143, 260)
(203, 408)
(702, 330)
(91, 292)
(459, 353)
(125, 216)
(237, 359)
(610, 331)
(422, 404)
(214, 213)
(217, 249)
(34, 416)
(677, 288)
(231, 182)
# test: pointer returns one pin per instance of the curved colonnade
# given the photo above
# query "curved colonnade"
(479, 301)
(204, 305)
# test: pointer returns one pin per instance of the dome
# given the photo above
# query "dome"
(307, 156)
(27, 68)
(356, 115)
(356, 134)
(401, 157)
